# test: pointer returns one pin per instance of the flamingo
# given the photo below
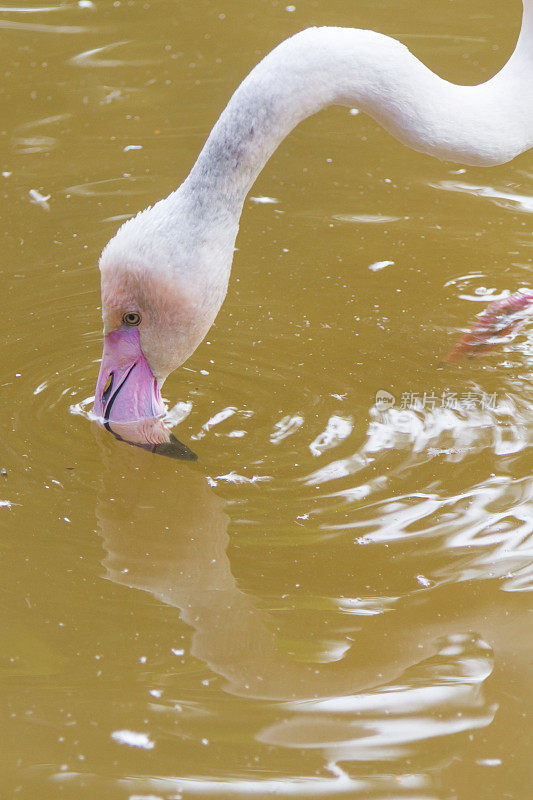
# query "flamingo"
(164, 274)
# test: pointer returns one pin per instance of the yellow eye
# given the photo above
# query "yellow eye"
(131, 318)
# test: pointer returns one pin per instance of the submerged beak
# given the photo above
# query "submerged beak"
(128, 398)
(126, 390)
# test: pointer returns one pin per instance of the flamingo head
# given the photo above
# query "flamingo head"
(149, 320)
(155, 312)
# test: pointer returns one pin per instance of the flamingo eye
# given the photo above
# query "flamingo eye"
(131, 318)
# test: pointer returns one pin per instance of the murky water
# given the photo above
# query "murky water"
(333, 601)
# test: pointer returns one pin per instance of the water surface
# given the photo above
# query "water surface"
(333, 601)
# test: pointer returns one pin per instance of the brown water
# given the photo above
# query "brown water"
(332, 601)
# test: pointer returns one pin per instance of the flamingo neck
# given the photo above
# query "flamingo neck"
(526, 34)
(185, 243)
(477, 125)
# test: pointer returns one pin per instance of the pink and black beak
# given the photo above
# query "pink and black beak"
(128, 398)
(126, 390)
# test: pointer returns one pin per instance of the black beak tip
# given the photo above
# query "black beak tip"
(174, 449)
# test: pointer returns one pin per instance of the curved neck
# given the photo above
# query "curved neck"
(476, 125)
(526, 34)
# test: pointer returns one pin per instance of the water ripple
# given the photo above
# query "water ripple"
(33, 27)
(392, 721)
(93, 57)
(512, 201)
(440, 698)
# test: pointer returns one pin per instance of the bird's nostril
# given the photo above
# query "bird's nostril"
(108, 388)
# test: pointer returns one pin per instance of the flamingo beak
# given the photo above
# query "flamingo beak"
(126, 391)
(128, 398)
